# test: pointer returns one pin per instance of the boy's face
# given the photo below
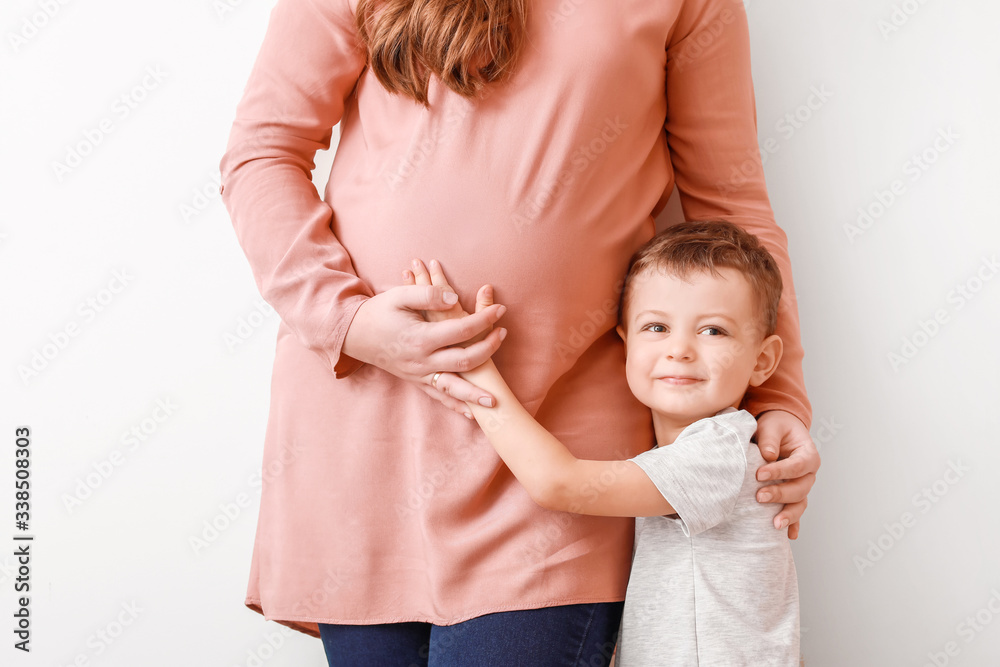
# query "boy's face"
(693, 345)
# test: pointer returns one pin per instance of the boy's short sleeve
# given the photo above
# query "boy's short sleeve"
(702, 472)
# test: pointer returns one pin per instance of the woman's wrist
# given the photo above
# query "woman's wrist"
(794, 408)
(787, 412)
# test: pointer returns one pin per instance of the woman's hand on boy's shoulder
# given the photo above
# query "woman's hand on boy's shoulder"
(797, 463)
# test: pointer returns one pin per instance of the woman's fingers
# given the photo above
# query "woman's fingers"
(785, 441)
(461, 390)
(389, 332)
(471, 331)
(448, 401)
(460, 359)
(450, 389)
(437, 279)
(780, 433)
(800, 462)
(792, 491)
(454, 331)
(789, 516)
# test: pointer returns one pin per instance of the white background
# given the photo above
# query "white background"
(896, 552)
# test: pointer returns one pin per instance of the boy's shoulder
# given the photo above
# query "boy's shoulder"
(728, 421)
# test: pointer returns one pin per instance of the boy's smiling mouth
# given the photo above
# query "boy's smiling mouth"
(679, 379)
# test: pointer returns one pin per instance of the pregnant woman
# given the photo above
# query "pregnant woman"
(528, 145)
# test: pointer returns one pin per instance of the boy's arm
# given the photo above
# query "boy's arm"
(553, 477)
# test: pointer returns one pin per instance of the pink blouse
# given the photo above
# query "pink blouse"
(380, 505)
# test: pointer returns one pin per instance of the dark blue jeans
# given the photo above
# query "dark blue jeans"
(582, 635)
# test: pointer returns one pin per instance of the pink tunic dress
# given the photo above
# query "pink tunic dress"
(380, 505)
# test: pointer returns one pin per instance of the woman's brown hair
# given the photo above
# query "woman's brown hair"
(466, 43)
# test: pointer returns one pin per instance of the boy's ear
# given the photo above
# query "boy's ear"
(621, 332)
(767, 360)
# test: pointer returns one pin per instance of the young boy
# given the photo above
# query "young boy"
(712, 581)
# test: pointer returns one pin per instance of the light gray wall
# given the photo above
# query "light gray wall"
(899, 551)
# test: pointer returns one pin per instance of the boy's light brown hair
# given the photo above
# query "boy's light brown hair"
(695, 246)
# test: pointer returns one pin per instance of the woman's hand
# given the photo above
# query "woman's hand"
(782, 432)
(420, 276)
(389, 331)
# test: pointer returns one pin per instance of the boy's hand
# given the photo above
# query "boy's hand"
(420, 276)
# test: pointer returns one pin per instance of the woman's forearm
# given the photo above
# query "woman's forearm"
(534, 455)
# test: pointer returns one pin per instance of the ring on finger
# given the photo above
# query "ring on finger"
(434, 379)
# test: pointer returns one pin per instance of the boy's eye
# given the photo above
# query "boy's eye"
(717, 330)
(662, 328)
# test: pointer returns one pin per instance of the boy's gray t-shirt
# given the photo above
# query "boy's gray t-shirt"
(714, 584)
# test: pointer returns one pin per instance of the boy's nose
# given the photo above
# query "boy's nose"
(679, 348)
